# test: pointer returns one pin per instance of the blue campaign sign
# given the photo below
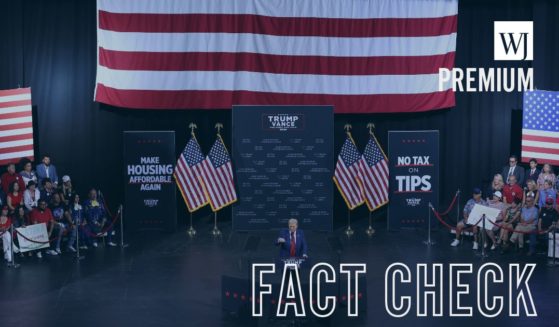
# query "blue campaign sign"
(149, 197)
(283, 163)
(413, 158)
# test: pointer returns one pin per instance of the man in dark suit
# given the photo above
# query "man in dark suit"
(513, 169)
(533, 172)
(292, 241)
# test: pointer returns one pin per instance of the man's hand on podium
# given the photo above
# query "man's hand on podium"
(281, 240)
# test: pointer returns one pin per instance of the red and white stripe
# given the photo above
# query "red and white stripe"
(218, 184)
(358, 55)
(375, 183)
(16, 126)
(541, 145)
(189, 184)
(346, 179)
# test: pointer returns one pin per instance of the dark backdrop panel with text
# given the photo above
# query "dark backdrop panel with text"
(149, 160)
(283, 162)
(414, 177)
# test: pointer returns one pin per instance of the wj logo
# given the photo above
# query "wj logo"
(513, 40)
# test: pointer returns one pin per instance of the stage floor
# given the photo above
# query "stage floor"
(171, 280)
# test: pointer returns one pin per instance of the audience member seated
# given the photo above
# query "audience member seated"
(31, 196)
(527, 224)
(67, 190)
(548, 217)
(512, 215)
(14, 198)
(28, 174)
(496, 185)
(513, 170)
(58, 209)
(532, 191)
(47, 190)
(476, 199)
(47, 170)
(546, 175)
(512, 191)
(547, 193)
(40, 215)
(74, 213)
(96, 217)
(19, 219)
(532, 172)
(9, 177)
(496, 203)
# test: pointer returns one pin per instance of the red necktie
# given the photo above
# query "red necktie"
(292, 248)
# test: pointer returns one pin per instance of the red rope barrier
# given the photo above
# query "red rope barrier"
(115, 217)
(38, 242)
(438, 216)
(450, 206)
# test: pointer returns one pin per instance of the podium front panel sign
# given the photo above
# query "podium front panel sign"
(283, 162)
(414, 177)
(149, 160)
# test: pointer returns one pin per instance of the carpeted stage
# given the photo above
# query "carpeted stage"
(170, 280)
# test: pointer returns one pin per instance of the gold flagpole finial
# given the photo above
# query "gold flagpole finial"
(371, 128)
(347, 128)
(219, 126)
(192, 127)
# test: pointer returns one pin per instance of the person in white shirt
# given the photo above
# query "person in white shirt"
(31, 196)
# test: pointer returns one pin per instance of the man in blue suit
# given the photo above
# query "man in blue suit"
(292, 241)
(46, 170)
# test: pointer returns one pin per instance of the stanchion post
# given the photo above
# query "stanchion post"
(215, 230)
(554, 261)
(370, 231)
(429, 241)
(483, 238)
(121, 212)
(78, 256)
(349, 231)
(191, 231)
(457, 206)
(13, 263)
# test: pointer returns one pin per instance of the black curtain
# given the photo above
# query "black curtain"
(50, 45)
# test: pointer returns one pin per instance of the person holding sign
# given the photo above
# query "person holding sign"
(527, 224)
(41, 215)
(476, 199)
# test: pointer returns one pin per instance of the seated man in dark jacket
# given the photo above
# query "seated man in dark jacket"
(292, 241)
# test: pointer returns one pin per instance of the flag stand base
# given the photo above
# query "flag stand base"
(348, 230)
(215, 230)
(191, 232)
(370, 231)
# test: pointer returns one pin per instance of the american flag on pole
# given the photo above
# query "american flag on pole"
(217, 176)
(373, 174)
(540, 126)
(188, 173)
(16, 125)
(357, 55)
(346, 174)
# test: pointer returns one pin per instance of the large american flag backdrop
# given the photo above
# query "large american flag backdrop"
(358, 55)
(540, 127)
(16, 125)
